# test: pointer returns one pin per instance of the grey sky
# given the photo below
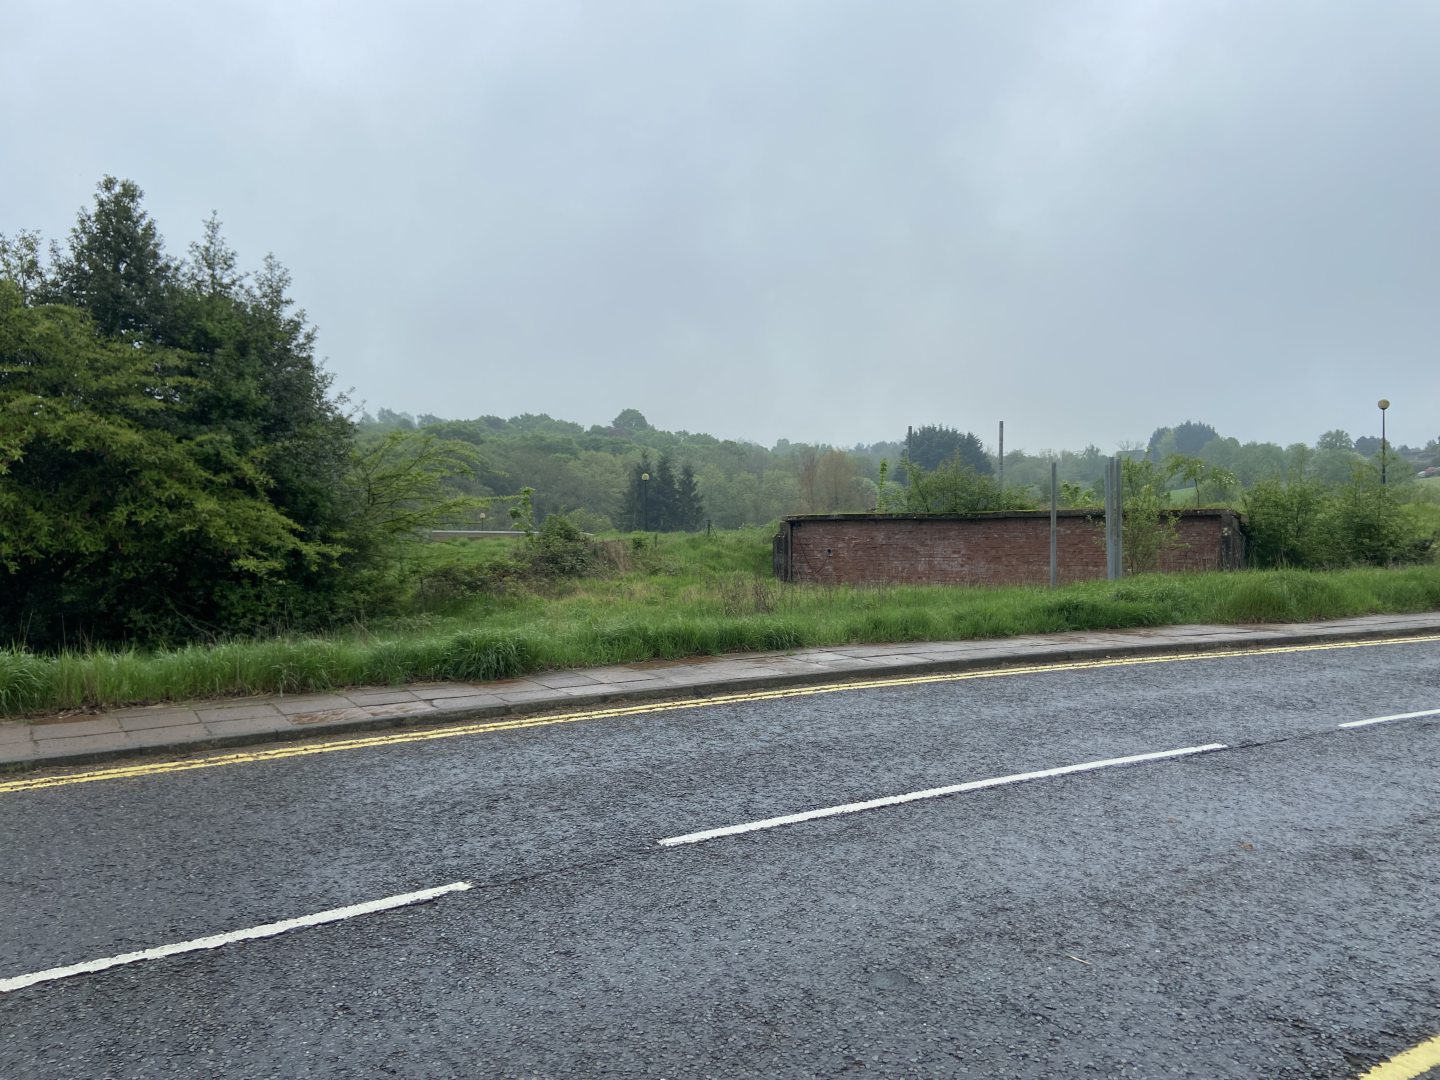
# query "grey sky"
(813, 220)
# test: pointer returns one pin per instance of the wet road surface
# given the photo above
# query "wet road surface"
(1269, 909)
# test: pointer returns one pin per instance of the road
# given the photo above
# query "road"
(1270, 909)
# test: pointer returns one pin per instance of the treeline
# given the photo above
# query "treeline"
(591, 473)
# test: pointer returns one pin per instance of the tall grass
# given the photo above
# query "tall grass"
(686, 596)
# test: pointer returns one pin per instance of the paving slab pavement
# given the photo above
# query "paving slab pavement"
(173, 727)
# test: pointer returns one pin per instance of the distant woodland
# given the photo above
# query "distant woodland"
(593, 474)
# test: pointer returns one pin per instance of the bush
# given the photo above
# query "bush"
(558, 550)
(1282, 525)
(1361, 524)
(955, 488)
(1148, 528)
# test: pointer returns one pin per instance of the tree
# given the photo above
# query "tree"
(1188, 469)
(1148, 528)
(1220, 483)
(1254, 462)
(657, 501)
(205, 375)
(1298, 457)
(1193, 470)
(213, 266)
(1335, 440)
(115, 267)
(21, 264)
(689, 507)
(930, 446)
(111, 526)
(244, 355)
(630, 422)
(1186, 439)
(399, 484)
(663, 496)
(1333, 467)
(635, 510)
(386, 419)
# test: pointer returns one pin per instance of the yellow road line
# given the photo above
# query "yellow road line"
(1412, 1063)
(330, 746)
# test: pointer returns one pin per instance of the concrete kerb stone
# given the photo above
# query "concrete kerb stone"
(76, 729)
(50, 752)
(15, 733)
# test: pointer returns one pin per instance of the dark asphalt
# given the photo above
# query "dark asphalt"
(1271, 910)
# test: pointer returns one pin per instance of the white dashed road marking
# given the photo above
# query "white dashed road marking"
(217, 940)
(1387, 719)
(931, 793)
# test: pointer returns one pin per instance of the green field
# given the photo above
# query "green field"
(671, 597)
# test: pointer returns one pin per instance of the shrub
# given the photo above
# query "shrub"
(559, 549)
(1361, 524)
(1283, 525)
(956, 488)
(1148, 527)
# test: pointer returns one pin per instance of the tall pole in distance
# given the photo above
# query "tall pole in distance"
(645, 499)
(1384, 404)
(1002, 456)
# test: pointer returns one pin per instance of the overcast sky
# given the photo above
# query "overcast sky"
(814, 220)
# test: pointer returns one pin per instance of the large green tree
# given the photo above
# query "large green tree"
(111, 526)
(187, 371)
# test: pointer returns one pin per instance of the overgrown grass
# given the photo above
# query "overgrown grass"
(685, 596)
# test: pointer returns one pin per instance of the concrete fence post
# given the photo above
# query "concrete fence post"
(1054, 527)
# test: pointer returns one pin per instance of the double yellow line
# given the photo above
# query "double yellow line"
(1412, 1063)
(335, 745)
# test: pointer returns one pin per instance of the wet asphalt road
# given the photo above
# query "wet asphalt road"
(1272, 910)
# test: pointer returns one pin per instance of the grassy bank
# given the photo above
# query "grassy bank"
(688, 596)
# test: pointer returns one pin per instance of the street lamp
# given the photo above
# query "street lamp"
(1384, 404)
(644, 499)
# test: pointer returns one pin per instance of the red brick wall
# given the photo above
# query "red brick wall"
(981, 549)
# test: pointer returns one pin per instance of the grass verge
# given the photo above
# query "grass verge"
(686, 596)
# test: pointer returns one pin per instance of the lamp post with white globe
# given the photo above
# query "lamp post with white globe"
(1384, 404)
